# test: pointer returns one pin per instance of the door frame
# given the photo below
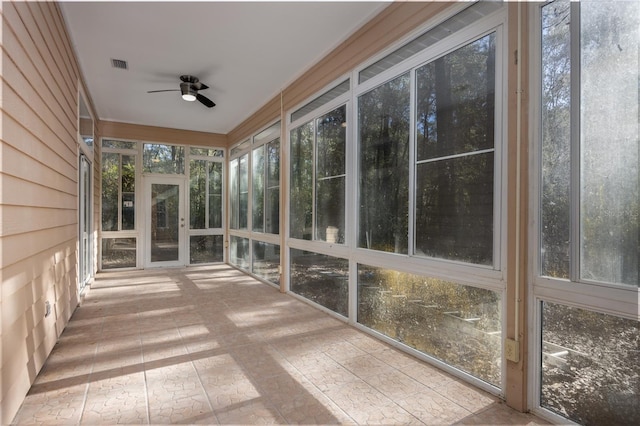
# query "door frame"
(182, 229)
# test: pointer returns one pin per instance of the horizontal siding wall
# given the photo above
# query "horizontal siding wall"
(38, 198)
(116, 130)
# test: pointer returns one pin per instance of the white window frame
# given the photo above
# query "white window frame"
(246, 147)
(607, 298)
(319, 246)
(491, 277)
(207, 230)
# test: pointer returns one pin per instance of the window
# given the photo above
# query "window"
(255, 204)
(266, 186)
(588, 199)
(454, 323)
(455, 154)
(239, 191)
(454, 150)
(322, 279)
(205, 194)
(118, 253)
(419, 224)
(384, 121)
(164, 159)
(266, 261)
(118, 191)
(206, 242)
(318, 158)
(590, 369)
(578, 109)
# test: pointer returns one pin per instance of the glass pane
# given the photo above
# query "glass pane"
(301, 202)
(383, 114)
(128, 192)
(85, 220)
(330, 210)
(110, 185)
(215, 194)
(457, 324)
(330, 140)
(455, 101)
(610, 182)
(118, 253)
(556, 144)
(209, 152)
(110, 143)
(257, 178)
(266, 261)
(272, 201)
(165, 222)
(243, 189)
(206, 248)
(197, 194)
(321, 279)
(454, 209)
(165, 159)
(590, 369)
(239, 252)
(234, 195)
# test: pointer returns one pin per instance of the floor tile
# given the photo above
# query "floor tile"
(211, 345)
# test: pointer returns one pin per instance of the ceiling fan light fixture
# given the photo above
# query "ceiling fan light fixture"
(188, 93)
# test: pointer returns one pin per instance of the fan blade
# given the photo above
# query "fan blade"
(167, 90)
(205, 101)
(200, 86)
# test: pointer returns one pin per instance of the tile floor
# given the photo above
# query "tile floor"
(210, 345)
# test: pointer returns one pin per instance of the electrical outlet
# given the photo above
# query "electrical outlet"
(512, 350)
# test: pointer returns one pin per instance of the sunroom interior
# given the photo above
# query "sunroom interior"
(458, 179)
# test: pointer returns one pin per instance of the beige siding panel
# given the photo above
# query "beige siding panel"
(17, 66)
(60, 85)
(32, 243)
(37, 267)
(67, 52)
(42, 13)
(20, 165)
(20, 219)
(32, 142)
(38, 192)
(269, 113)
(112, 129)
(18, 192)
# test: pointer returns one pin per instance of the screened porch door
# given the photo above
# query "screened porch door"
(165, 222)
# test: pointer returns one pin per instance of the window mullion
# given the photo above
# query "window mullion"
(412, 162)
(207, 195)
(314, 170)
(574, 232)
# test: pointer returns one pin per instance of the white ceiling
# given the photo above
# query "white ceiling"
(246, 52)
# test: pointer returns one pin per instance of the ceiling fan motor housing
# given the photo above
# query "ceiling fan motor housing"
(188, 91)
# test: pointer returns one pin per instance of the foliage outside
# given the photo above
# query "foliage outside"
(457, 324)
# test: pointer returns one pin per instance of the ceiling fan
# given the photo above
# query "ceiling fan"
(189, 87)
